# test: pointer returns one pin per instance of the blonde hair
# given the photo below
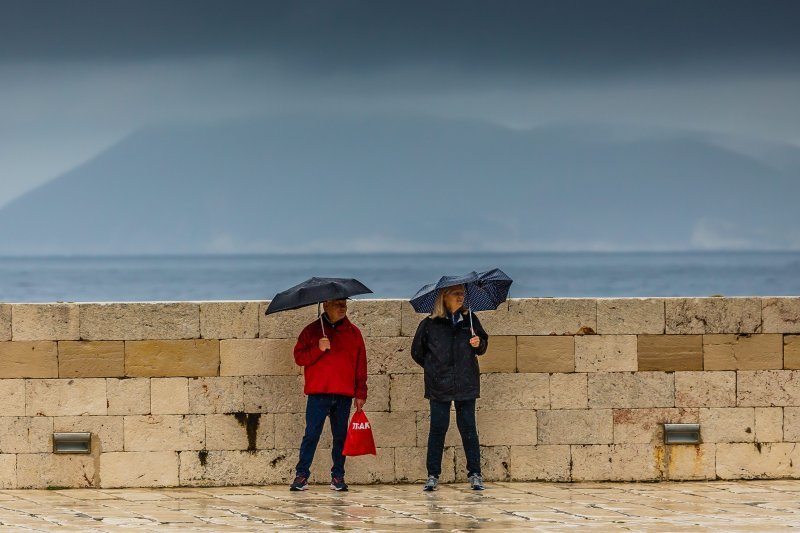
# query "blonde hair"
(439, 309)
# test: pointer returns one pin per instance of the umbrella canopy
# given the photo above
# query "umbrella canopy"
(316, 290)
(483, 290)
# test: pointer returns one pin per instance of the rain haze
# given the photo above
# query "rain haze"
(245, 127)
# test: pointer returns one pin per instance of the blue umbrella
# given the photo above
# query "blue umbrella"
(483, 291)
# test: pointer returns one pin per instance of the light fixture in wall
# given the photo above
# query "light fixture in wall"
(681, 433)
(73, 442)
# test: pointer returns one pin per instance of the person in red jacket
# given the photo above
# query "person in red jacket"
(334, 360)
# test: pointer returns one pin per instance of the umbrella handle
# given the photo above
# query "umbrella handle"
(472, 329)
(321, 322)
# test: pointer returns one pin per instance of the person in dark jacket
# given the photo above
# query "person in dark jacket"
(334, 365)
(446, 345)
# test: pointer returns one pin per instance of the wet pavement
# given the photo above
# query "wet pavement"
(687, 506)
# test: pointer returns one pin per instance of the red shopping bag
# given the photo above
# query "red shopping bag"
(359, 439)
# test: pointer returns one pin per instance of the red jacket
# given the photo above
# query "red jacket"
(340, 370)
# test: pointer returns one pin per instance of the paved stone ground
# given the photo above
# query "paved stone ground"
(689, 506)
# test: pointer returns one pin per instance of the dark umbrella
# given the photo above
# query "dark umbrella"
(314, 291)
(483, 291)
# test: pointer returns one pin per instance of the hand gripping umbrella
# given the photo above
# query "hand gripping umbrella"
(314, 291)
(483, 291)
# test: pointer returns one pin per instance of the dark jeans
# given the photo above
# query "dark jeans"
(318, 407)
(440, 421)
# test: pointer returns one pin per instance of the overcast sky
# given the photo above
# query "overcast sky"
(77, 76)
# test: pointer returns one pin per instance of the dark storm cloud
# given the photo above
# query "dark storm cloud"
(560, 38)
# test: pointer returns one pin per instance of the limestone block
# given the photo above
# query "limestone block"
(633, 316)
(569, 391)
(781, 315)
(643, 426)
(258, 357)
(290, 428)
(284, 325)
(42, 470)
(695, 316)
(495, 463)
(8, 471)
(407, 393)
(139, 321)
(24, 434)
(501, 355)
(575, 426)
(377, 393)
(154, 433)
(769, 424)
(240, 431)
(128, 396)
(274, 394)
(514, 391)
(376, 318)
(138, 469)
(107, 433)
(410, 319)
(37, 359)
(791, 351)
(791, 424)
(452, 438)
(65, 397)
(727, 424)
(694, 461)
(631, 390)
(540, 463)
(215, 468)
(548, 316)
(216, 395)
(605, 353)
(12, 391)
(749, 460)
(169, 396)
(670, 352)
(545, 354)
(394, 429)
(361, 470)
(45, 322)
(617, 462)
(91, 359)
(172, 358)
(5, 322)
(229, 320)
(506, 428)
(768, 388)
(410, 465)
(742, 352)
(390, 355)
(496, 322)
(705, 389)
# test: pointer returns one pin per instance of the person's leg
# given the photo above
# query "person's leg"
(340, 416)
(440, 421)
(465, 419)
(317, 407)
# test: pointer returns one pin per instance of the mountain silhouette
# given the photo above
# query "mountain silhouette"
(326, 183)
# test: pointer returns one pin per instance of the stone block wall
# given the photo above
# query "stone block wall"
(207, 393)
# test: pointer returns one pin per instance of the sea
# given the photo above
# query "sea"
(260, 277)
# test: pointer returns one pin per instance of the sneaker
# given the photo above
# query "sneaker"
(299, 483)
(432, 484)
(476, 482)
(337, 483)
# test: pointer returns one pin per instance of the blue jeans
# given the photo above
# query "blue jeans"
(440, 421)
(318, 407)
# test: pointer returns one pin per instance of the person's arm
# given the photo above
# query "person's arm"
(482, 335)
(418, 346)
(306, 351)
(361, 374)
